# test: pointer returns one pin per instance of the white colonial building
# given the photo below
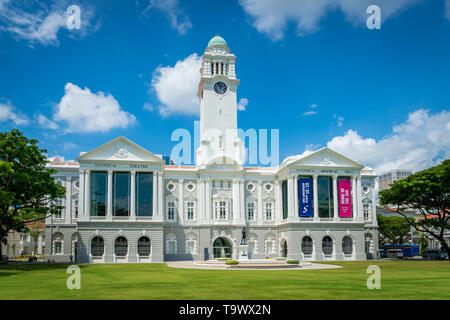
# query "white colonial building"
(125, 204)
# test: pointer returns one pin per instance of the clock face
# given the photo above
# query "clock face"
(220, 88)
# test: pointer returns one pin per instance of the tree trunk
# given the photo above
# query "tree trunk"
(445, 247)
(1, 253)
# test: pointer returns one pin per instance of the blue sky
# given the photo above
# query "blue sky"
(319, 76)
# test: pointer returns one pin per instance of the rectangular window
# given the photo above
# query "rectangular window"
(171, 249)
(284, 198)
(121, 194)
(268, 210)
(144, 194)
(190, 210)
(190, 247)
(325, 196)
(250, 211)
(99, 182)
(223, 210)
(58, 247)
(76, 208)
(171, 210)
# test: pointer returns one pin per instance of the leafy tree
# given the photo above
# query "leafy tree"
(393, 230)
(27, 188)
(428, 192)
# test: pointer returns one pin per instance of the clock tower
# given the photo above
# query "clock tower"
(219, 140)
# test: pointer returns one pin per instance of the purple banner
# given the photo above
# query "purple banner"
(305, 197)
(345, 198)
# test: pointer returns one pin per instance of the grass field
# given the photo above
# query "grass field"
(399, 280)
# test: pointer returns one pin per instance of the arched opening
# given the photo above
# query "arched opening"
(347, 245)
(121, 247)
(284, 248)
(222, 248)
(144, 247)
(307, 245)
(327, 245)
(97, 247)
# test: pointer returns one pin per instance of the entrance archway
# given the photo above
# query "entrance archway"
(284, 248)
(222, 248)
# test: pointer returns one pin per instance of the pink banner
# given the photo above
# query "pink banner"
(345, 198)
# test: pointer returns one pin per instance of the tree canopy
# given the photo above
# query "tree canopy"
(428, 192)
(27, 188)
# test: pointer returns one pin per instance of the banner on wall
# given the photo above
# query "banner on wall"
(305, 197)
(345, 198)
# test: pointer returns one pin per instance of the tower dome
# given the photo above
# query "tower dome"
(217, 41)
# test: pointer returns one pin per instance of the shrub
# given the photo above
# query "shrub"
(232, 262)
(293, 261)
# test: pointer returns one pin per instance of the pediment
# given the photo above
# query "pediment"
(325, 157)
(120, 149)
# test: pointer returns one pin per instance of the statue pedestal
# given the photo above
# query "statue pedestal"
(243, 252)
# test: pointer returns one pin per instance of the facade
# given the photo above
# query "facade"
(133, 207)
(387, 178)
(12, 246)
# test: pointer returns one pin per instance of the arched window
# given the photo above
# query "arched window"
(347, 245)
(58, 241)
(327, 245)
(144, 247)
(307, 245)
(97, 247)
(121, 247)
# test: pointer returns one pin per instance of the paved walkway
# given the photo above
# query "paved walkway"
(200, 265)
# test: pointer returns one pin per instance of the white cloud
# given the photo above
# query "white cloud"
(43, 25)
(8, 113)
(148, 106)
(420, 142)
(339, 120)
(176, 87)
(309, 113)
(242, 105)
(179, 21)
(313, 106)
(47, 123)
(272, 17)
(84, 111)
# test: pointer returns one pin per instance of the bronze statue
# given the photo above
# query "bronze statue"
(244, 236)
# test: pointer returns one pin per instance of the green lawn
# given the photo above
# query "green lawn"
(399, 280)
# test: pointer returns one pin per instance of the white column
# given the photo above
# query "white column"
(201, 200)
(290, 190)
(87, 194)
(354, 198)
(316, 199)
(81, 195)
(68, 209)
(235, 200)
(155, 212)
(296, 215)
(133, 196)
(335, 198)
(181, 201)
(109, 197)
(373, 206)
(260, 204)
(160, 195)
(359, 198)
(40, 243)
(209, 215)
(278, 203)
(241, 201)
